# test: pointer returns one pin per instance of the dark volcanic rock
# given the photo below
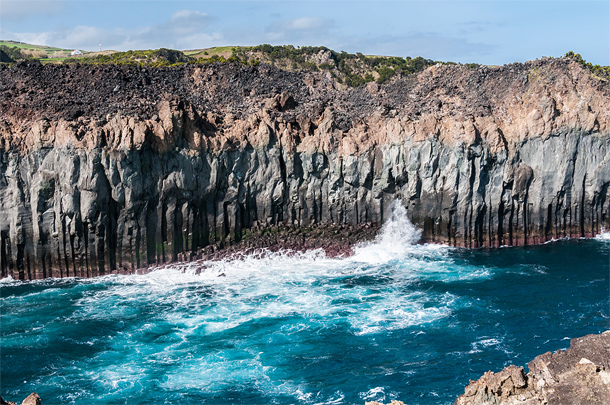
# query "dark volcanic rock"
(579, 375)
(114, 168)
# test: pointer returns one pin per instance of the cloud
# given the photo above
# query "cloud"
(305, 24)
(185, 29)
(299, 29)
(19, 10)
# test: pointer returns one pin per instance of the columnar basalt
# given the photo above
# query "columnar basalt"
(107, 168)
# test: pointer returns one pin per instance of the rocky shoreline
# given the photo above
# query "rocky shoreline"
(333, 240)
(578, 375)
(114, 169)
(32, 399)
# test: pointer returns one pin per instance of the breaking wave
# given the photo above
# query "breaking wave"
(286, 327)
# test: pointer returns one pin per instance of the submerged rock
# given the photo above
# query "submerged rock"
(578, 375)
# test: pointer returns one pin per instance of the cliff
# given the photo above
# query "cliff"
(109, 168)
(578, 375)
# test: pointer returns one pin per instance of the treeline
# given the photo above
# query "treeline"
(11, 54)
(352, 69)
(154, 58)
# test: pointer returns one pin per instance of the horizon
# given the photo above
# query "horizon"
(489, 32)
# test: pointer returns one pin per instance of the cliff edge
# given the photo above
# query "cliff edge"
(115, 168)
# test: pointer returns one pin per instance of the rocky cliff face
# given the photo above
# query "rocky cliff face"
(106, 168)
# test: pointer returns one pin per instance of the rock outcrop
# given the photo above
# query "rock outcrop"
(579, 375)
(109, 168)
(32, 399)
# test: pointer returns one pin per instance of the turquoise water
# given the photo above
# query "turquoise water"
(395, 321)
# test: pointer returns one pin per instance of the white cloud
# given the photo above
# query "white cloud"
(306, 23)
(185, 29)
(299, 30)
(19, 10)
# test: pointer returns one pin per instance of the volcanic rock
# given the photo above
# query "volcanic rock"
(116, 168)
(32, 399)
(578, 375)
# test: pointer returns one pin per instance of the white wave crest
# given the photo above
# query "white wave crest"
(604, 235)
(395, 240)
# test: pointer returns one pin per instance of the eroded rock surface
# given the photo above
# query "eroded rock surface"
(32, 399)
(107, 168)
(579, 375)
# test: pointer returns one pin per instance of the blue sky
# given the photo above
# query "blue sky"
(484, 31)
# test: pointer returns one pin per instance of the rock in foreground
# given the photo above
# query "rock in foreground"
(32, 399)
(578, 375)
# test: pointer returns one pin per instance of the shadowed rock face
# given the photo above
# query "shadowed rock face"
(579, 375)
(106, 168)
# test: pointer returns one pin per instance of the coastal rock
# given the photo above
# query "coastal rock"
(95, 181)
(578, 375)
(32, 399)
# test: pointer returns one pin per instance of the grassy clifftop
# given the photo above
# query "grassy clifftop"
(351, 69)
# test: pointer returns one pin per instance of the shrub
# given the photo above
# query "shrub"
(600, 71)
(385, 74)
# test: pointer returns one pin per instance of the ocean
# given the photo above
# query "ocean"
(396, 320)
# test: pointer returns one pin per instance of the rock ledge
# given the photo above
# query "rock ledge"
(578, 375)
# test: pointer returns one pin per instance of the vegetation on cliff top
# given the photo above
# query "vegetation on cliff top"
(21, 51)
(352, 70)
(597, 70)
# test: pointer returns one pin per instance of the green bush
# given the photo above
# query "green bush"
(13, 52)
(597, 70)
(354, 80)
(154, 58)
(385, 74)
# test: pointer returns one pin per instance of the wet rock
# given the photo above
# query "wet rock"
(578, 375)
(32, 399)
(3, 402)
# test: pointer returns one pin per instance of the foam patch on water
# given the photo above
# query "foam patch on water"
(238, 308)
(369, 290)
(605, 236)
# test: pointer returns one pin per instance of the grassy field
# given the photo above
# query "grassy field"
(21, 45)
(224, 51)
(46, 54)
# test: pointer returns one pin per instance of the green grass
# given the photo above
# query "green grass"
(20, 45)
(218, 50)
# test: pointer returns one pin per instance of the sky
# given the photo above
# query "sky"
(492, 32)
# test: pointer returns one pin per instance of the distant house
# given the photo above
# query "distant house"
(75, 52)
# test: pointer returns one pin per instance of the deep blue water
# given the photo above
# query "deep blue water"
(395, 321)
